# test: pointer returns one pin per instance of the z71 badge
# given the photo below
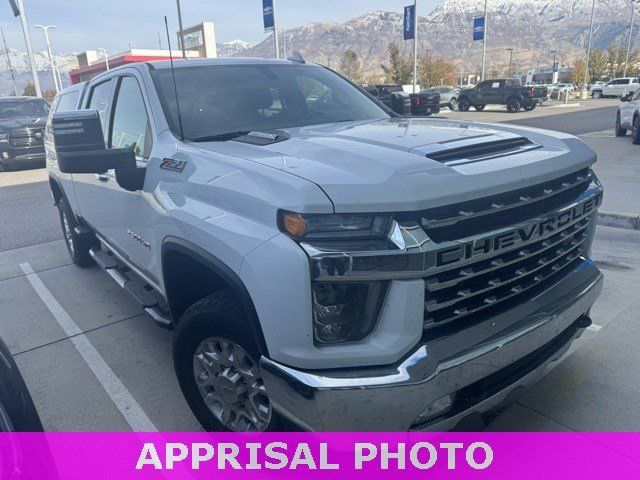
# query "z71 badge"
(173, 165)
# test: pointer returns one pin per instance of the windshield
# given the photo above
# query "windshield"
(220, 99)
(23, 108)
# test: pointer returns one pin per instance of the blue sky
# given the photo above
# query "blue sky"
(113, 24)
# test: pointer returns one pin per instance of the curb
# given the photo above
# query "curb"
(619, 220)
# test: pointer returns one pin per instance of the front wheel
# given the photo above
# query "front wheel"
(78, 246)
(635, 132)
(530, 107)
(464, 105)
(453, 104)
(620, 132)
(513, 105)
(597, 94)
(216, 361)
(479, 108)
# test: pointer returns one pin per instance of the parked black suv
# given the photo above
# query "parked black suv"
(403, 103)
(22, 121)
(507, 92)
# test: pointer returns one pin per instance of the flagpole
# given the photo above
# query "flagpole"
(275, 29)
(484, 40)
(415, 45)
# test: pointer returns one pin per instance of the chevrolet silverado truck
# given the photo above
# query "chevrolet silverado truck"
(507, 92)
(22, 121)
(326, 263)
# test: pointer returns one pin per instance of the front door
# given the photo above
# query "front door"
(125, 219)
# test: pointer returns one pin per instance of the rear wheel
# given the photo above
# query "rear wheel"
(453, 104)
(620, 132)
(635, 137)
(513, 105)
(78, 246)
(597, 94)
(479, 108)
(216, 362)
(464, 105)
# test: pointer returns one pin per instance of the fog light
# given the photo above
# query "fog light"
(344, 312)
(436, 409)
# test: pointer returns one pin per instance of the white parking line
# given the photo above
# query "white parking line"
(594, 328)
(124, 401)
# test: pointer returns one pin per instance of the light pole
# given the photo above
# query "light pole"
(45, 29)
(633, 13)
(484, 39)
(510, 50)
(415, 45)
(553, 68)
(275, 30)
(106, 57)
(13, 76)
(18, 11)
(586, 69)
(184, 53)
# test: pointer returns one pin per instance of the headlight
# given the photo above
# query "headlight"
(345, 312)
(4, 137)
(334, 226)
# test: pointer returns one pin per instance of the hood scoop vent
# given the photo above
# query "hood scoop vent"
(477, 150)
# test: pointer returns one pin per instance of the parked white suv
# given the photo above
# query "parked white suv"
(628, 117)
(618, 87)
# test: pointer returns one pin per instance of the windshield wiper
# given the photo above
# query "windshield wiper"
(221, 137)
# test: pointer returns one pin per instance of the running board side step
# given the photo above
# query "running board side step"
(147, 301)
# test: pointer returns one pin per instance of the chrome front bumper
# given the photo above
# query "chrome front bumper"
(392, 398)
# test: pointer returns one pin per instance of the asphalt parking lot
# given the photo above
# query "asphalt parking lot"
(93, 360)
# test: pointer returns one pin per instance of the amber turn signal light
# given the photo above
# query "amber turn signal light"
(294, 224)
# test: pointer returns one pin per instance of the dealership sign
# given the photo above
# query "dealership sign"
(409, 22)
(268, 15)
(478, 28)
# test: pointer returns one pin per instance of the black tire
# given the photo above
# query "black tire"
(78, 246)
(513, 105)
(620, 132)
(597, 94)
(635, 131)
(530, 107)
(453, 104)
(463, 104)
(221, 316)
(479, 108)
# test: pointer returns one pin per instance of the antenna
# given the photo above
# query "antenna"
(173, 74)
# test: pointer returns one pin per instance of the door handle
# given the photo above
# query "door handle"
(103, 177)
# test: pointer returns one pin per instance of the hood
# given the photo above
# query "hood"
(11, 123)
(413, 164)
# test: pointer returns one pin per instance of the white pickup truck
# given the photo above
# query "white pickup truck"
(618, 87)
(320, 258)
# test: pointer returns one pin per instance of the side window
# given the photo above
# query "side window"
(624, 82)
(99, 100)
(131, 127)
(66, 102)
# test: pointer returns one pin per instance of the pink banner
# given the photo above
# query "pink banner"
(95, 456)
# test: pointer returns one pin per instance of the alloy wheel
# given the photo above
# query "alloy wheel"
(231, 385)
(68, 233)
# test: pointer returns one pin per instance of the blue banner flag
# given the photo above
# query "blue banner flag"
(268, 15)
(478, 28)
(409, 22)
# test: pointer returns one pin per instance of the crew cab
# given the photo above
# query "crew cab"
(22, 121)
(321, 260)
(628, 117)
(618, 87)
(396, 99)
(507, 92)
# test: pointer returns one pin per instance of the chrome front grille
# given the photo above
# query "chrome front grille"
(489, 213)
(464, 291)
(27, 137)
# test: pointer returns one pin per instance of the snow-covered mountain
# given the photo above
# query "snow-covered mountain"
(532, 27)
(228, 49)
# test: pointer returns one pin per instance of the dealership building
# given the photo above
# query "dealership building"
(199, 42)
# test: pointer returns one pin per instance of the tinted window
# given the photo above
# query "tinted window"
(130, 127)
(100, 101)
(219, 99)
(24, 108)
(624, 82)
(67, 102)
